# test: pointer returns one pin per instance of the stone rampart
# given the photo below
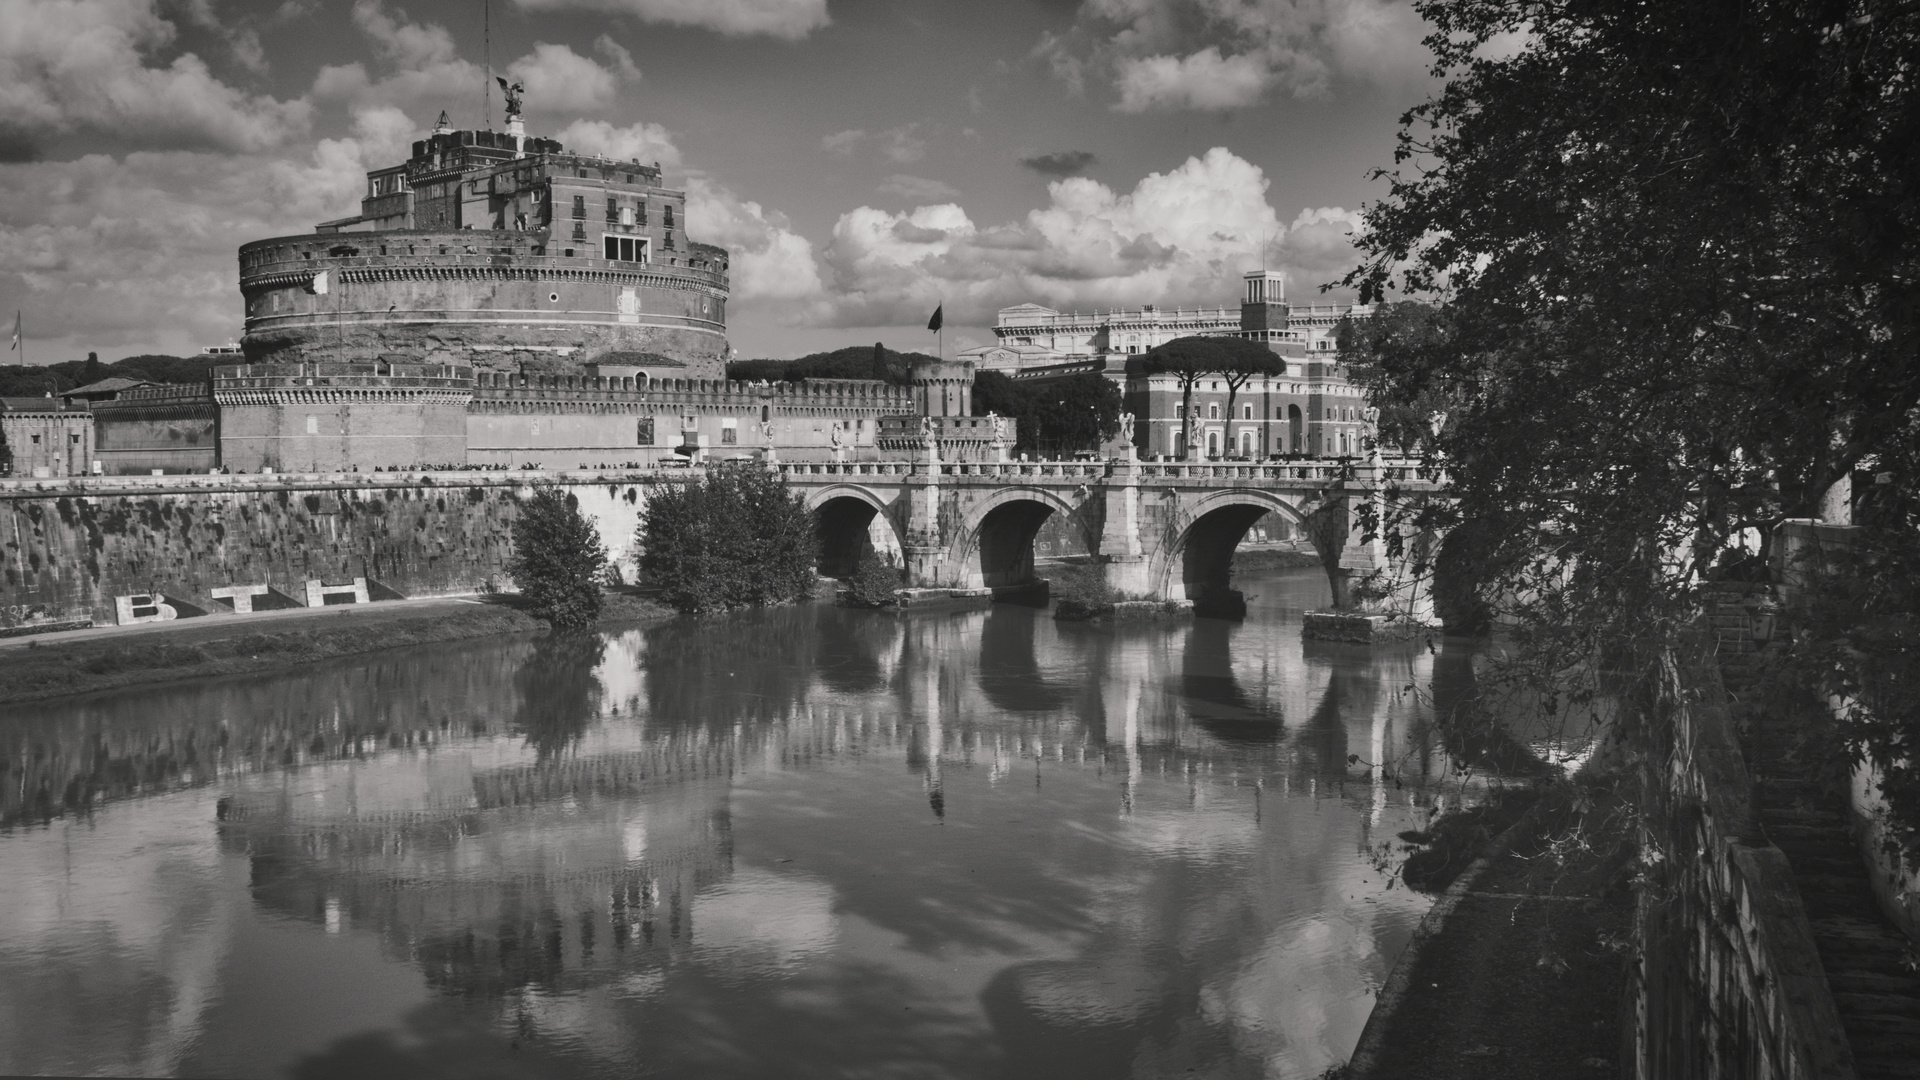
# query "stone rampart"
(171, 428)
(1729, 982)
(69, 547)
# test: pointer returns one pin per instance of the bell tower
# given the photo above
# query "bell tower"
(1263, 303)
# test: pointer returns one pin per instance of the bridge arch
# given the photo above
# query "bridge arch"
(844, 523)
(1196, 556)
(994, 545)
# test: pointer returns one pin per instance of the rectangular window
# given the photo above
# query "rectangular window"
(625, 248)
(640, 212)
(666, 216)
(613, 211)
(1246, 412)
(666, 240)
(579, 231)
(580, 206)
(1213, 412)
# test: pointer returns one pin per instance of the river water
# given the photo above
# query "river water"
(798, 843)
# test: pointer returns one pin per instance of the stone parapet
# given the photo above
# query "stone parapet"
(1729, 981)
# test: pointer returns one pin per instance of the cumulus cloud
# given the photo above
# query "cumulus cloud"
(789, 19)
(138, 252)
(1060, 162)
(89, 66)
(1217, 55)
(636, 142)
(918, 189)
(562, 80)
(1179, 237)
(426, 71)
(770, 264)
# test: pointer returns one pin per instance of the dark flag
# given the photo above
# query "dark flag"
(934, 323)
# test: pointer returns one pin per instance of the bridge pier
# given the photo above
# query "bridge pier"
(1123, 557)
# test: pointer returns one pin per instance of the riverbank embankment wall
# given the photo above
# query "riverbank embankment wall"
(1729, 981)
(69, 547)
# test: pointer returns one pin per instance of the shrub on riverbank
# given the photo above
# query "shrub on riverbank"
(874, 582)
(1081, 592)
(738, 537)
(557, 559)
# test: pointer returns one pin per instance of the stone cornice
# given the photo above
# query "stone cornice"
(337, 395)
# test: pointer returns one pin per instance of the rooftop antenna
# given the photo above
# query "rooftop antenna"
(486, 57)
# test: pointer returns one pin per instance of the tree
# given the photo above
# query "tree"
(1189, 359)
(852, 362)
(557, 558)
(738, 537)
(94, 371)
(1671, 251)
(1243, 360)
(1052, 416)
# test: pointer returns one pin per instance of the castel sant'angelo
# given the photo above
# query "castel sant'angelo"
(501, 301)
(502, 248)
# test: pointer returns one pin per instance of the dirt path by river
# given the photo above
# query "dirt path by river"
(1524, 980)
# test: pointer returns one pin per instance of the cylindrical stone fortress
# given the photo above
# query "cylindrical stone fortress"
(507, 251)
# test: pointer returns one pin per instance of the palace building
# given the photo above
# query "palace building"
(1312, 409)
(1030, 336)
(501, 250)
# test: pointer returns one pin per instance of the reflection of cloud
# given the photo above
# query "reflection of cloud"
(1205, 832)
(760, 916)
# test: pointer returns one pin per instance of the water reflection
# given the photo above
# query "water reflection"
(801, 842)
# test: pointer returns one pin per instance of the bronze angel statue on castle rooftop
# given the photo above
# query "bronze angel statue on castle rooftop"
(513, 92)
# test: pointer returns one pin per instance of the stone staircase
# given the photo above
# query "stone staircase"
(1871, 966)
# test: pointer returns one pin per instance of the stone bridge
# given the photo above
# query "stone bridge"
(1162, 530)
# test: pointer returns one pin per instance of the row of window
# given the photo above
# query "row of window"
(618, 214)
(1246, 412)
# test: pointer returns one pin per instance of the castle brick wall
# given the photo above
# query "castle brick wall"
(171, 428)
(422, 292)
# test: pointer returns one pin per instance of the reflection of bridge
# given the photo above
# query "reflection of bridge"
(1162, 530)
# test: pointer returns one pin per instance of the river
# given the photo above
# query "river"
(807, 842)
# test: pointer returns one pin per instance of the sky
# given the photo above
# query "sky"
(863, 160)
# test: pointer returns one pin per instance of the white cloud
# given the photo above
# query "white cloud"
(82, 66)
(635, 142)
(427, 73)
(618, 56)
(789, 19)
(1214, 55)
(770, 265)
(139, 253)
(1180, 237)
(561, 80)
(1206, 80)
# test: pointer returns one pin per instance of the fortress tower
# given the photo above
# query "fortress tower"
(506, 251)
